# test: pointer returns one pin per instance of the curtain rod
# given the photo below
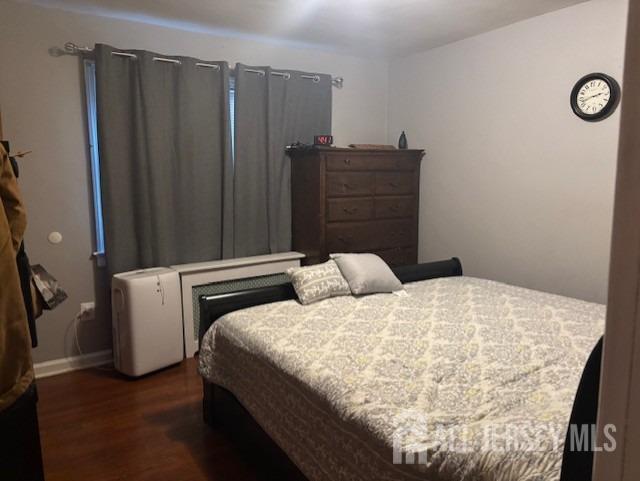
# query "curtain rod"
(73, 49)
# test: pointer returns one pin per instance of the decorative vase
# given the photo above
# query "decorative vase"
(402, 141)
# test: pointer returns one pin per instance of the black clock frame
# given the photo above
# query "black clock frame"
(608, 109)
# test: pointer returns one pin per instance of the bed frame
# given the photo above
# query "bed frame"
(222, 409)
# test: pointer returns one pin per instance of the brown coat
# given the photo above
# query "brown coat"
(16, 370)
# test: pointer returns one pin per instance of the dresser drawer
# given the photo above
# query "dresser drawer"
(399, 256)
(390, 184)
(392, 207)
(360, 161)
(369, 236)
(350, 184)
(355, 200)
(349, 209)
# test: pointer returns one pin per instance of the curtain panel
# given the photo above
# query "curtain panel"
(273, 109)
(165, 159)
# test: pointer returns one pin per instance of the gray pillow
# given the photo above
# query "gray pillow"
(314, 283)
(367, 273)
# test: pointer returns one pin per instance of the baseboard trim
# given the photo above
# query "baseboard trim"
(74, 363)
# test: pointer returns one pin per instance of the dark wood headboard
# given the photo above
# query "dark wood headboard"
(212, 307)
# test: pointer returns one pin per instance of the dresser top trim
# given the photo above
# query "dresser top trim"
(304, 150)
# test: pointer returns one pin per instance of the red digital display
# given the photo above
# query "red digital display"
(322, 139)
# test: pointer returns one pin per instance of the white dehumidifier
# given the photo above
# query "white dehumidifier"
(146, 320)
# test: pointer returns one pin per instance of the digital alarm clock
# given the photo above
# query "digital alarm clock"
(322, 139)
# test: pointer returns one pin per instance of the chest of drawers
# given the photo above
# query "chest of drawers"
(355, 200)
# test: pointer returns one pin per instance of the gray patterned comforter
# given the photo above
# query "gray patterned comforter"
(470, 379)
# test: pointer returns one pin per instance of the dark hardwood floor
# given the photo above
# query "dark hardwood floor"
(98, 425)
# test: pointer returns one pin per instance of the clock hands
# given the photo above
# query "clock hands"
(588, 98)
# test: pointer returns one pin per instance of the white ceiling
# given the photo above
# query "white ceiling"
(372, 27)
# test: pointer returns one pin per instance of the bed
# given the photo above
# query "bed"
(456, 378)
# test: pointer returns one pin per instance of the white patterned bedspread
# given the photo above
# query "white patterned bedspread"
(475, 376)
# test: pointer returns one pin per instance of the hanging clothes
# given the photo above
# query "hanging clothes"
(24, 271)
(16, 369)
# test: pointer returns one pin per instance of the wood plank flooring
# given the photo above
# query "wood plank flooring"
(98, 425)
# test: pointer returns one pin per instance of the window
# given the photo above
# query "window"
(94, 150)
(232, 115)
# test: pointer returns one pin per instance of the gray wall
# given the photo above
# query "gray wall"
(513, 182)
(41, 101)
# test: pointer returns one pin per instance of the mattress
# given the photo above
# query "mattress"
(455, 378)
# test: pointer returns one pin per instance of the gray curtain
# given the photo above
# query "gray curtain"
(165, 159)
(273, 108)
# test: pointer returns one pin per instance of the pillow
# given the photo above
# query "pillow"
(367, 273)
(321, 281)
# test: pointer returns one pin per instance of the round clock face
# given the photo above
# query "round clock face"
(594, 97)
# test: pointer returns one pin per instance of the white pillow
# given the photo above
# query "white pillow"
(367, 273)
(317, 282)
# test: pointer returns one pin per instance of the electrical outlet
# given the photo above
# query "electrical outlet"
(87, 311)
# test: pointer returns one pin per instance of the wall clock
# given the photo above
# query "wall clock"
(595, 97)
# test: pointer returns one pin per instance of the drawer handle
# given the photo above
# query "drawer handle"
(394, 208)
(393, 185)
(346, 186)
(351, 211)
(347, 161)
(344, 240)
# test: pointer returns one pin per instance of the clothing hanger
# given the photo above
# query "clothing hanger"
(22, 154)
